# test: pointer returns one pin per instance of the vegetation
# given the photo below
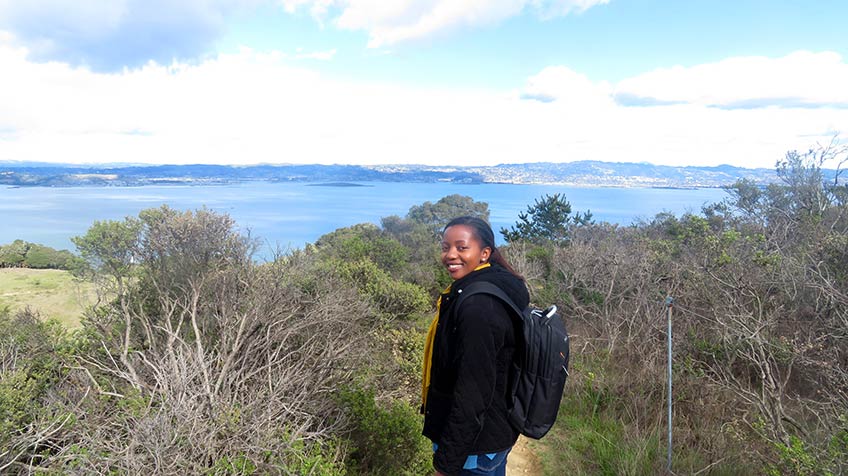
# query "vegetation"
(50, 292)
(21, 254)
(548, 220)
(760, 320)
(197, 359)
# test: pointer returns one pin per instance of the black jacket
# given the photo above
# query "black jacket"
(467, 402)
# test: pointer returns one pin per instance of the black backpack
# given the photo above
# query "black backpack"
(540, 363)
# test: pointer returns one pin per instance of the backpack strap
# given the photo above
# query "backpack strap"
(485, 287)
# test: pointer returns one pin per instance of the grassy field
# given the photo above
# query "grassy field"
(53, 293)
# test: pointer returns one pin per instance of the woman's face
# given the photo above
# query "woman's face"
(462, 252)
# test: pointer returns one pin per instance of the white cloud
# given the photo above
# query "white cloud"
(108, 35)
(258, 107)
(746, 111)
(552, 8)
(391, 22)
(316, 55)
(802, 79)
(559, 83)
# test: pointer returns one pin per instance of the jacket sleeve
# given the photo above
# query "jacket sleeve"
(481, 327)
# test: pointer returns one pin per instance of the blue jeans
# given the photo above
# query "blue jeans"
(489, 464)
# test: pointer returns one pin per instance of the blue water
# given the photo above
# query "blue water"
(293, 214)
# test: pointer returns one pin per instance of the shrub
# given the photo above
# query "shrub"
(387, 440)
(30, 366)
(13, 254)
(44, 257)
(315, 458)
(210, 362)
(392, 296)
(365, 241)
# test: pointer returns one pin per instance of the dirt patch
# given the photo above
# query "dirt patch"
(522, 460)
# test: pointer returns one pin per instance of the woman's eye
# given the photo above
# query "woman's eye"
(461, 248)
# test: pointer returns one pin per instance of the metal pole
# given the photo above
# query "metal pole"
(669, 302)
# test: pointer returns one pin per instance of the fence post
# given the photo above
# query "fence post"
(669, 303)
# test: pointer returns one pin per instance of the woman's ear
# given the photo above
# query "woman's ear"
(485, 254)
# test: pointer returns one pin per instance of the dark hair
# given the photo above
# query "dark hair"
(483, 232)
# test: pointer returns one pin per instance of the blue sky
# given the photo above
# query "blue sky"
(607, 42)
(448, 82)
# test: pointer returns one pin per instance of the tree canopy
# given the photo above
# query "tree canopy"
(20, 253)
(549, 219)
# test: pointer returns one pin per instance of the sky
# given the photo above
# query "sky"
(441, 82)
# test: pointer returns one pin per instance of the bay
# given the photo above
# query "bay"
(289, 215)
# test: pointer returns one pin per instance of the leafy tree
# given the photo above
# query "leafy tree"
(32, 255)
(13, 254)
(45, 257)
(109, 246)
(436, 215)
(179, 248)
(549, 219)
(40, 257)
(808, 191)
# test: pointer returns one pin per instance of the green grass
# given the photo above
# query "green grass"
(53, 293)
(591, 437)
(587, 441)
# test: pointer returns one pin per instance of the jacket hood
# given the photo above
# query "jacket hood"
(500, 277)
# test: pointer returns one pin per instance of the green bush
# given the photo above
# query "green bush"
(365, 241)
(19, 393)
(800, 458)
(314, 459)
(29, 349)
(408, 350)
(44, 257)
(237, 465)
(392, 296)
(398, 360)
(31, 255)
(13, 254)
(386, 440)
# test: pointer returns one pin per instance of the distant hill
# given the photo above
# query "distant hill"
(581, 173)
(596, 173)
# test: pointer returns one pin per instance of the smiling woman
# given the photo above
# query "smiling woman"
(468, 358)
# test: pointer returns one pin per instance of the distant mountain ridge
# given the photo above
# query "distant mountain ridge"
(581, 173)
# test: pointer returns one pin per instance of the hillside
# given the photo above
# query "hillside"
(580, 173)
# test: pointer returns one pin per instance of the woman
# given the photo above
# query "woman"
(468, 356)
